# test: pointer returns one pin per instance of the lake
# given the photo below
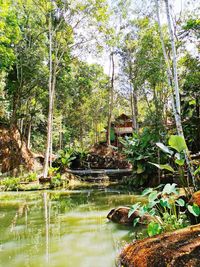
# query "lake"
(62, 228)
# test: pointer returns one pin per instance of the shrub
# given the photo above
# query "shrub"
(165, 207)
(139, 150)
(31, 177)
(10, 183)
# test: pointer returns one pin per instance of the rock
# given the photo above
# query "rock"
(69, 176)
(43, 180)
(120, 215)
(174, 249)
(195, 199)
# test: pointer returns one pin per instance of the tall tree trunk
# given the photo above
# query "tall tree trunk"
(135, 105)
(174, 58)
(173, 80)
(111, 98)
(134, 102)
(198, 123)
(15, 107)
(134, 109)
(60, 135)
(21, 125)
(49, 122)
(53, 93)
(96, 132)
(29, 134)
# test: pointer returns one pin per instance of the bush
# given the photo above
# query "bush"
(165, 207)
(31, 177)
(139, 150)
(67, 156)
(10, 183)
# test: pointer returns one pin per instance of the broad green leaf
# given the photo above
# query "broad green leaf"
(147, 191)
(136, 221)
(152, 204)
(143, 210)
(163, 202)
(152, 212)
(177, 142)
(154, 229)
(164, 148)
(192, 102)
(195, 210)
(197, 171)
(64, 161)
(180, 202)
(133, 209)
(153, 196)
(140, 169)
(180, 162)
(178, 155)
(163, 167)
(159, 186)
(140, 157)
(169, 189)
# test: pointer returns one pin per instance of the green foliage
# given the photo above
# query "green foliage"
(163, 166)
(9, 35)
(154, 228)
(31, 177)
(10, 183)
(53, 171)
(164, 207)
(190, 100)
(139, 150)
(133, 209)
(175, 153)
(65, 157)
(194, 209)
(192, 24)
(82, 90)
(56, 181)
(177, 142)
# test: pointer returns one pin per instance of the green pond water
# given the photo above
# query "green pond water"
(62, 228)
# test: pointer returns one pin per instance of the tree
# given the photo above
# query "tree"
(173, 79)
(61, 44)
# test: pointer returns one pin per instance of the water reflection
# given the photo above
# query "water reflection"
(61, 228)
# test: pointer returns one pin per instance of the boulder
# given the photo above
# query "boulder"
(195, 199)
(174, 249)
(120, 215)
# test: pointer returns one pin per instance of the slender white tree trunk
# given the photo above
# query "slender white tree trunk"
(173, 79)
(53, 93)
(134, 100)
(174, 57)
(29, 134)
(111, 98)
(134, 109)
(49, 122)
(60, 135)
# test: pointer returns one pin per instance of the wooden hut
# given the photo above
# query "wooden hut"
(122, 126)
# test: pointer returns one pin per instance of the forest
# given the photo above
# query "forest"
(100, 116)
